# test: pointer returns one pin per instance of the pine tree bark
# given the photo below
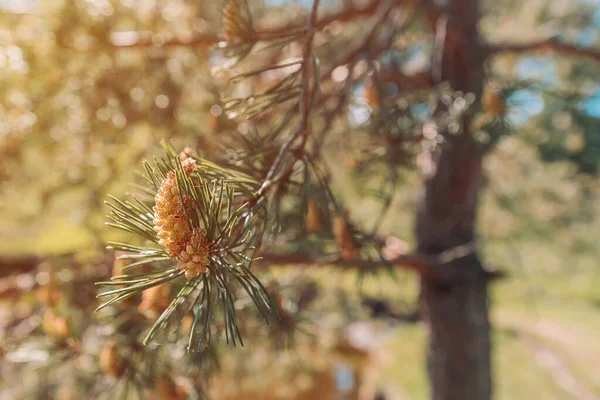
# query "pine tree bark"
(459, 343)
(456, 307)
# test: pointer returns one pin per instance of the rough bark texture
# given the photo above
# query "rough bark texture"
(456, 308)
(459, 344)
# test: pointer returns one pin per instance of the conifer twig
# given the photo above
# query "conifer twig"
(305, 105)
(545, 46)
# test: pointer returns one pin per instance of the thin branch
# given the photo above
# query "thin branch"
(207, 39)
(436, 268)
(18, 265)
(346, 15)
(439, 42)
(366, 43)
(305, 105)
(391, 74)
(129, 39)
(545, 46)
(412, 261)
(418, 80)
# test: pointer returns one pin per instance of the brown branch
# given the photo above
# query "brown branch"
(305, 107)
(18, 265)
(415, 262)
(437, 268)
(365, 46)
(351, 13)
(418, 80)
(134, 39)
(545, 46)
(305, 104)
(391, 74)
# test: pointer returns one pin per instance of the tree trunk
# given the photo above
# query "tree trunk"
(459, 344)
(456, 307)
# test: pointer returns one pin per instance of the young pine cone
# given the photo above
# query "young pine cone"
(111, 362)
(190, 247)
(167, 389)
(344, 238)
(493, 101)
(50, 293)
(372, 96)
(54, 325)
(313, 219)
(154, 300)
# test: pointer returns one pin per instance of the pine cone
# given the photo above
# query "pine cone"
(313, 218)
(54, 325)
(493, 101)
(111, 363)
(154, 300)
(170, 223)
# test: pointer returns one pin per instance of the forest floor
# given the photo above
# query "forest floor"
(545, 338)
(545, 335)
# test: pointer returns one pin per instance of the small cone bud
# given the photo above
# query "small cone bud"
(350, 253)
(167, 389)
(119, 263)
(154, 300)
(313, 218)
(54, 325)
(493, 101)
(186, 324)
(341, 231)
(50, 293)
(344, 238)
(372, 96)
(111, 363)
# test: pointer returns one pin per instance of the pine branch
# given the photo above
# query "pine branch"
(18, 265)
(411, 261)
(134, 39)
(433, 267)
(346, 15)
(545, 46)
(366, 45)
(306, 102)
(418, 80)
(203, 222)
(391, 74)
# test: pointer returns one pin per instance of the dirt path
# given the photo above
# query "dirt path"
(558, 368)
(539, 337)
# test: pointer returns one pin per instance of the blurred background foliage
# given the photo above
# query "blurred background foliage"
(88, 89)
